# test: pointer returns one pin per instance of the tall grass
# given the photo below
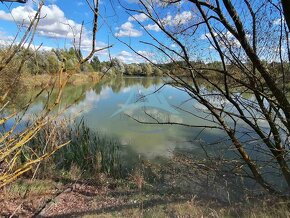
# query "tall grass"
(89, 153)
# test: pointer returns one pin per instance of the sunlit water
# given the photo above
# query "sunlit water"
(110, 108)
(114, 107)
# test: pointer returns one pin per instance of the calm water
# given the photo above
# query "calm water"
(108, 108)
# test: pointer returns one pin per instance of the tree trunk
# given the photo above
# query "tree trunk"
(286, 9)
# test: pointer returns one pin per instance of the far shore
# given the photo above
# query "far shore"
(43, 80)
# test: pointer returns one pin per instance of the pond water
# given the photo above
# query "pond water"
(113, 106)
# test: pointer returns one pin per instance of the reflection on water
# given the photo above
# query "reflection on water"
(115, 106)
(107, 111)
(110, 106)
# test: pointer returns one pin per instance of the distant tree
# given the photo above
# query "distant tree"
(119, 67)
(87, 67)
(157, 71)
(147, 69)
(17, 156)
(129, 69)
(96, 64)
(53, 62)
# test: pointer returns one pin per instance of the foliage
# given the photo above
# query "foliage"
(96, 64)
(12, 141)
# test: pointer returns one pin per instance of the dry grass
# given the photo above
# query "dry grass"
(78, 79)
(112, 198)
(31, 81)
(200, 209)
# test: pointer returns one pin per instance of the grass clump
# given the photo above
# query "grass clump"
(88, 153)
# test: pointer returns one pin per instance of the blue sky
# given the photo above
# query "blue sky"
(58, 34)
(115, 22)
(62, 21)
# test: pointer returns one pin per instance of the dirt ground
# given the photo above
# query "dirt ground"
(52, 199)
(78, 199)
(123, 198)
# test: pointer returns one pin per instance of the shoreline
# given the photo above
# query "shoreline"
(107, 197)
(43, 80)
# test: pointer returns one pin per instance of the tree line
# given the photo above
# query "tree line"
(51, 61)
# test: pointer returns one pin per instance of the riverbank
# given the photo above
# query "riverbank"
(39, 81)
(111, 174)
(91, 177)
(105, 197)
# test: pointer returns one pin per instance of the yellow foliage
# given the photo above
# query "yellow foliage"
(13, 144)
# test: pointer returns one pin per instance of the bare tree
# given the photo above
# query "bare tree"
(250, 42)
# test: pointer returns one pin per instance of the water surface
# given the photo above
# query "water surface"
(112, 108)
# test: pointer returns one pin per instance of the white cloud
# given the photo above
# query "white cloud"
(53, 24)
(153, 27)
(138, 17)
(152, 3)
(126, 54)
(90, 101)
(174, 21)
(181, 19)
(225, 39)
(178, 19)
(126, 57)
(278, 21)
(127, 29)
(146, 54)
(131, 57)
(207, 36)
(40, 47)
(5, 40)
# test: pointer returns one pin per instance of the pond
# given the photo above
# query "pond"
(114, 107)
(119, 107)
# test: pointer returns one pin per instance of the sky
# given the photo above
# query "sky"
(61, 22)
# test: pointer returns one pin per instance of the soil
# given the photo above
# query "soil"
(70, 200)
(56, 200)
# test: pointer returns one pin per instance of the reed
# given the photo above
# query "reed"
(88, 153)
